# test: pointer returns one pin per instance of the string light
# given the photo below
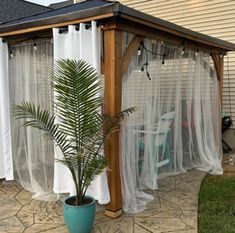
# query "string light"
(148, 75)
(163, 59)
(145, 65)
(35, 46)
(148, 51)
(183, 51)
(139, 51)
(162, 56)
(11, 54)
(146, 69)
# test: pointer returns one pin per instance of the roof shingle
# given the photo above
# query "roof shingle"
(14, 9)
(86, 5)
(61, 4)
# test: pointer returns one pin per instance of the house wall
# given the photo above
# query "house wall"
(214, 18)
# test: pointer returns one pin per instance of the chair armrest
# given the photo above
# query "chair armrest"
(150, 132)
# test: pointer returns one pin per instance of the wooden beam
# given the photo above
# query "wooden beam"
(56, 25)
(133, 46)
(136, 29)
(219, 67)
(159, 35)
(112, 105)
(173, 32)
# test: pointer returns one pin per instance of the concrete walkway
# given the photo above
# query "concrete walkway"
(174, 209)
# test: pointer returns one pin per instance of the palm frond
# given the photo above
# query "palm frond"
(78, 127)
(77, 89)
(35, 117)
(112, 124)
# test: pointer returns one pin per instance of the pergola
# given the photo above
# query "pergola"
(115, 19)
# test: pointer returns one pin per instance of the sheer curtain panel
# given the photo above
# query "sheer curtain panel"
(33, 153)
(176, 126)
(6, 164)
(79, 42)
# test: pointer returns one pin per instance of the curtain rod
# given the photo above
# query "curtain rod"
(26, 39)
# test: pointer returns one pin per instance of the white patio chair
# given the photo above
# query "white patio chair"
(160, 142)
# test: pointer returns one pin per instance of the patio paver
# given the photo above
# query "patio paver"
(174, 209)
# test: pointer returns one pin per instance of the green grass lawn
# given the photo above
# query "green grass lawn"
(217, 204)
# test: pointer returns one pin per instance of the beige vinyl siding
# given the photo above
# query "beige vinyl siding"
(212, 17)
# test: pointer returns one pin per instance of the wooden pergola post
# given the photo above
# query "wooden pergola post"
(114, 67)
(219, 67)
(112, 105)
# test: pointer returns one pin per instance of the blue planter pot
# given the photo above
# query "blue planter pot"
(79, 219)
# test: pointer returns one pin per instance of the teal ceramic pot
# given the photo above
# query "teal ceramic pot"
(79, 219)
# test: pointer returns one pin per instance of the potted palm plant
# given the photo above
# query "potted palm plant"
(79, 129)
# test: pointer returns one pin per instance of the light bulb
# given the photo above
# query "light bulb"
(11, 54)
(35, 46)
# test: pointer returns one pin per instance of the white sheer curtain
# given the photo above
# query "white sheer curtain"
(175, 127)
(83, 42)
(6, 164)
(30, 75)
